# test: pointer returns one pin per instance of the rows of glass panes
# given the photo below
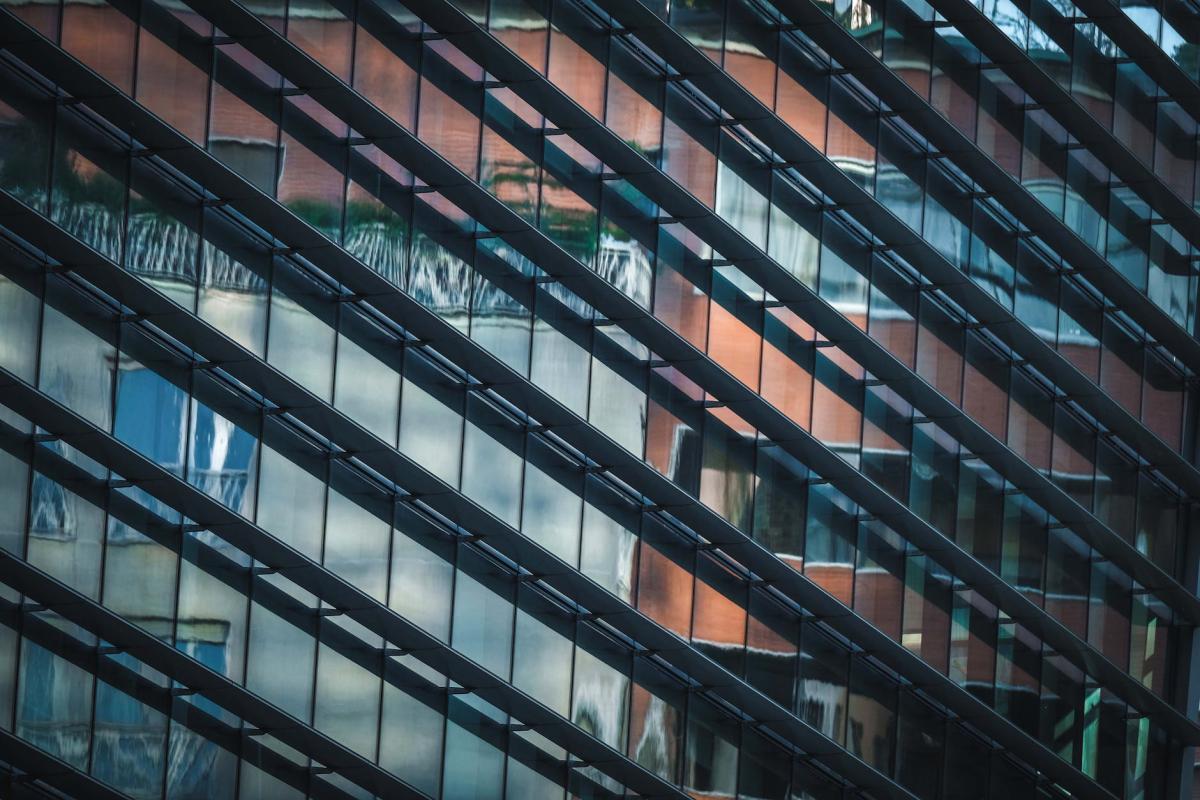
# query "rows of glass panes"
(1028, 142)
(855, 137)
(951, 513)
(1115, 89)
(639, 284)
(734, 363)
(930, 197)
(875, 550)
(738, 471)
(462, 598)
(542, 497)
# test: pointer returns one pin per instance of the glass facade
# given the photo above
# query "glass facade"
(599, 398)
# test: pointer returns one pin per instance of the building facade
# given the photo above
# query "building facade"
(557, 399)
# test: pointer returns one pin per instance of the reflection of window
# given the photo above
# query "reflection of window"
(192, 760)
(52, 516)
(38, 690)
(221, 457)
(52, 512)
(655, 749)
(54, 704)
(150, 415)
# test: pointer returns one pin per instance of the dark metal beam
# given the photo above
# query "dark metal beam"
(899, 96)
(532, 87)
(1006, 54)
(157, 654)
(304, 572)
(45, 768)
(791, 585)
(301, 404)
(1138, 45)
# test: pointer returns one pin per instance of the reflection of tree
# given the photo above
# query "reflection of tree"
(321, 214)
(378, 238)
(23, 165)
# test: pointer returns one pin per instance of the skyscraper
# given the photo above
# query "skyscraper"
(560, 399)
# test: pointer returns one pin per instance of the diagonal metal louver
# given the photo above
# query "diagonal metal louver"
(597, 398)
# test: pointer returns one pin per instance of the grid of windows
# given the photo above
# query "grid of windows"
(583, 398)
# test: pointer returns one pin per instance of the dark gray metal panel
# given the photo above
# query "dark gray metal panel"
(441, 497)
(899, 96)
(602, 142)
(307, 574)
(44, 767)
(1006, 54)
(1016, 604)
(160, 655)
(162, 699)
(944, 276)
(789, 584)
(397, 142)
(1138, 45)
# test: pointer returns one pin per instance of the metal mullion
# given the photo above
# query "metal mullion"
(1011, 194)
(310, 576)
(27, 521)
(117, 335)
(380, 456)
(152, 695)
(1062, 506)
(222, 567)
(796, 585)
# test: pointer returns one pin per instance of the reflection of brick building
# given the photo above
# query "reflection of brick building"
(102, 37)
(914, 605)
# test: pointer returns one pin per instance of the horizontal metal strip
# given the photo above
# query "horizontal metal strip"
(1006, 54)
(763, 123)
(311, 576)
(443, 498)
(560, 109)
(792, 585)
